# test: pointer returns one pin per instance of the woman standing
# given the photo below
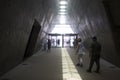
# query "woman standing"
(80, 52)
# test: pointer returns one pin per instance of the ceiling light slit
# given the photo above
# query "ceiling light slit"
(63, 2)
(63, 7)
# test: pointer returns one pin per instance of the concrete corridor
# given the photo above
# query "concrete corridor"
(59, 64)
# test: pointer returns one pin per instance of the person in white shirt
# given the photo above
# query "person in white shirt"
(80, 52)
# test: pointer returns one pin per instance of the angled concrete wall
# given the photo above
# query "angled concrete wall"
(16, 21)
(94, 21)
(112, 8)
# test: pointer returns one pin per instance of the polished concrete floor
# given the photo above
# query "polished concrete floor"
(59, 64)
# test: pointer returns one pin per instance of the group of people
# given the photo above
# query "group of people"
(94, 54)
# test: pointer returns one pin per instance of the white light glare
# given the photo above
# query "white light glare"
(63, 2)
(62, 10)
(62, 29)
(62, 7)
(62, 19)
(62, 13)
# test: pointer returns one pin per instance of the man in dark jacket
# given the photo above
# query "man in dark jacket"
(95, 51)
(49, 44)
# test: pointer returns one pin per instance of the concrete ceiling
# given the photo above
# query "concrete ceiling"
(76, 12)
(53, 16)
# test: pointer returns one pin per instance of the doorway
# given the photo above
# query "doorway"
(62, 40)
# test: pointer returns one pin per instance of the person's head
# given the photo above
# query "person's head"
(79, 39)
(94, 38)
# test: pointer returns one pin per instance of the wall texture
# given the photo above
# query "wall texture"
(16, 21)
(94, 21)
(112, 8)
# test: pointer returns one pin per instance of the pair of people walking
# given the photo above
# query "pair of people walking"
(94, 54)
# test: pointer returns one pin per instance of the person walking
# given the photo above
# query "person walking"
(95, 50)
(49, 44)
(80, 52)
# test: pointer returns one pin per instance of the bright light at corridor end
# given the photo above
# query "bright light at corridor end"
(62, 19)
(62, 29)
(68, 68)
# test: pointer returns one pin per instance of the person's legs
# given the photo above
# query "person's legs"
(97, 61)
(81, 60)
(91, 64)
(78, 64)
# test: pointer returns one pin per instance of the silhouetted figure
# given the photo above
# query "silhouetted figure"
(49, 44)
(95, 51)
(45, 44)
(58, 42)
(75, 43)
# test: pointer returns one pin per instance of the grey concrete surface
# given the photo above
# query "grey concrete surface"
(16, 22)
(94, 20)
(48, 66)
(89, 18)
